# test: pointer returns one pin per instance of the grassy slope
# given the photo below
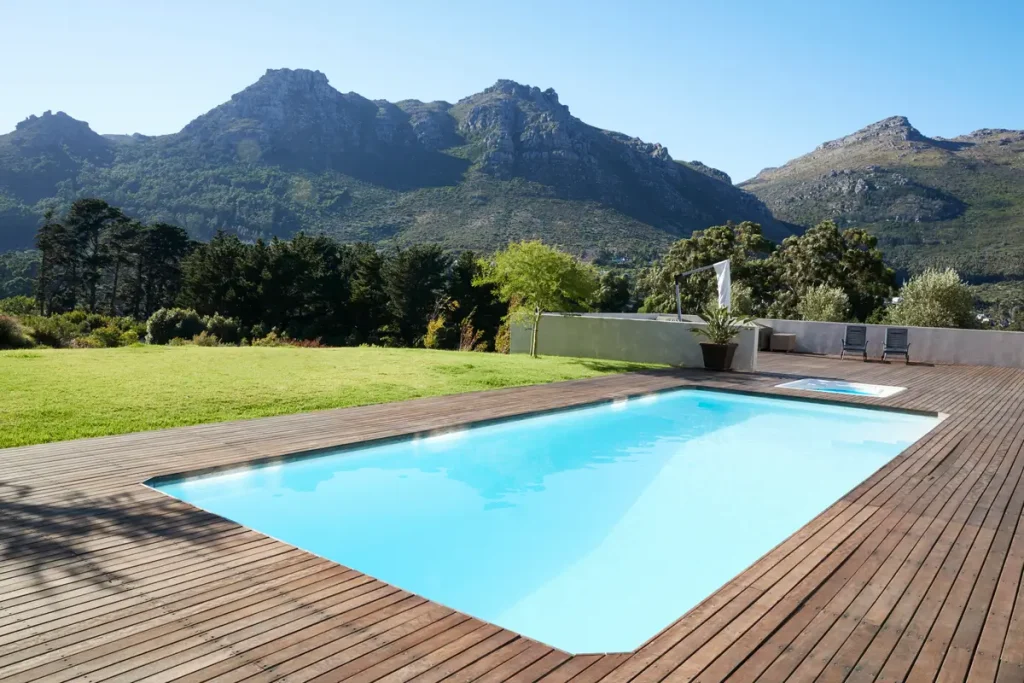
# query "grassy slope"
(53, 395)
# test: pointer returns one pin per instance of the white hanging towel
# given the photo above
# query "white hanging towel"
(724, 284)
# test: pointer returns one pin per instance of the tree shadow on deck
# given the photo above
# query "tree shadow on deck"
(51, 540)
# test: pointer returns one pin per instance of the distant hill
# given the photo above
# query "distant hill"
(931, 201)
(291, 153)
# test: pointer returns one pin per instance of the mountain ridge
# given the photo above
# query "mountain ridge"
(932, 201)
(291, 152)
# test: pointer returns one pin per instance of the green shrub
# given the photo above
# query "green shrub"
(18, 305)
(95, 321)
(272, 339)
(129, 338)
(935, 298)
(12, 335)
(824, 304)
(108, 336)
(227, 330)
(204, 338)
(56, 331)
(178, 341)
(173, 323)
(87, 342)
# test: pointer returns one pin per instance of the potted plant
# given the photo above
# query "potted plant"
(721, 327)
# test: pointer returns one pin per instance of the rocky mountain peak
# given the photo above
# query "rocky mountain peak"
(504, 86)
(889, 131)
(60, 130)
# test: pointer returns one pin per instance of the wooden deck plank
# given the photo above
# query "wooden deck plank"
(916, 574)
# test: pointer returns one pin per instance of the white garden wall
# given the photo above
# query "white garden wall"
(937, 345)
(627, 337)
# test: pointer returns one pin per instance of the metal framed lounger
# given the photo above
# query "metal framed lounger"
(896, 343)
(855, 341)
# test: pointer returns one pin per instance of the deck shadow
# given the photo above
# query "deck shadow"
(43, 537)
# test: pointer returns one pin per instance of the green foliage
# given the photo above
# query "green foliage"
(63, 329)
(721, 325)
(433, 339)
(767, 280)
(742, 245)
(935, 298)
(18, 270)
(615, 294)
(204, 338)
(12, 335)
(849, 260)
(271, 339)
(226, 330)
(86, 342)
(18, 305)
(108, 336)
(129, 338)
(414, 282)
(535, 278)
(824, 304)
(173, 323)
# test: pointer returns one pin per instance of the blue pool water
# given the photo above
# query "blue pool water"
(589, 530)
(837, 386)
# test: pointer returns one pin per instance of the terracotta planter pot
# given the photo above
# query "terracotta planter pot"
(718, 356)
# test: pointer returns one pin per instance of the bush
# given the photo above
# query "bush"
(107, 336)
(129, 338)
(204, 338)
(173, 323)
(87, 342)
(935, 298)
(18, 305)
(435, 333)
(55, 331)
(178, 341)
(12, 335)
(272, 339)
(824, 304)
(503, 339)
(227, 330)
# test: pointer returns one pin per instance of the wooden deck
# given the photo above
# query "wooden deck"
(915, 575)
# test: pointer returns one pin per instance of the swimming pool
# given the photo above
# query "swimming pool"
(588, 529)
(837, 386)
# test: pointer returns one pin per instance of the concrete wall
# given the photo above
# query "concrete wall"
(627, 337)
(938, 345)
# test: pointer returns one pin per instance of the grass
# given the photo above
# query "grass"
(54, 395)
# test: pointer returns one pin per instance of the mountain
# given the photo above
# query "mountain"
(292, 153)
(931, 201)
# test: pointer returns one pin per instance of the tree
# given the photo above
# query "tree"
(158, 251)
(367, 300)
(89, 220)
(824, 304)
(935, 298)
(849, 260)
(119, 239)
(741, 244)
(478, 303)
(56, 283)
(414, 281)
(213, 279)
(614, 293)
(535, 278)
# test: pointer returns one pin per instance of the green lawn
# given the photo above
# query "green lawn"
(53, 395)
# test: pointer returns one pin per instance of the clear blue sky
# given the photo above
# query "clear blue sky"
(739, 85)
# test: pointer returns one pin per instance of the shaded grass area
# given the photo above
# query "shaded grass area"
(54, 395)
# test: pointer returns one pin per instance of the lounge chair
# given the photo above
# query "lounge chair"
(896, 343)
(856, 341)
